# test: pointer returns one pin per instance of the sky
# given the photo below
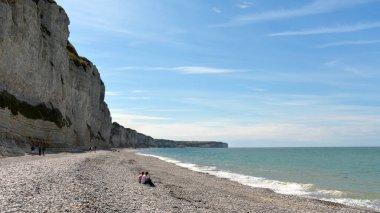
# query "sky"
(259, 73)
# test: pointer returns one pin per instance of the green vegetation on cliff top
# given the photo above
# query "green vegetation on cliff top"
(73, 54)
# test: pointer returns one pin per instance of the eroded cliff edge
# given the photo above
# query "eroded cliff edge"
(49, 95)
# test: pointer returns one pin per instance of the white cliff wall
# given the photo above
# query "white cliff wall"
(125, 137)
(46, 97)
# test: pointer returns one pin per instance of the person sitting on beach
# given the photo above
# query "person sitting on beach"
(140, 177)
(145, 179)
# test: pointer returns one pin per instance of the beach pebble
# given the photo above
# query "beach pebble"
(106, 182)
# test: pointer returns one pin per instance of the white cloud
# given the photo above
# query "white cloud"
(112, 19)
(332, 63)
(201, 70)
(138, 98)
(244, 5)
(127, 68)
(182, 70)
(122, 96)
(122, 117)
(347, 43)
(351, 128)
(113, 93)
(358, 72)
(325, 30)
(216, 10)
(171, 110)
(316, 7)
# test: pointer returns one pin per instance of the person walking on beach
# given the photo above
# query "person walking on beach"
(145, 179)
(39, 150)
(140, 177)
(43, 151)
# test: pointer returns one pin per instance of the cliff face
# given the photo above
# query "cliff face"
(48, 94)
(125, 137)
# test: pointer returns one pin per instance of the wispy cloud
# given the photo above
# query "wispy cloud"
(231, 130)
(332, 63)
(348, 43)
(254, 89)
(187, 70)
(137, 117)
(138, 98)
(120, 25)
(121, 95)
(359, 72)
(216, 10)
(126, 68)
(325, 30)
(316, 7)
(244, 5)
(201, 70)
(113, 93)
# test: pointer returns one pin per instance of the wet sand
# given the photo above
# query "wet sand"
(107, 182)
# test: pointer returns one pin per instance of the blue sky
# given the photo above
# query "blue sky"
(250, 73)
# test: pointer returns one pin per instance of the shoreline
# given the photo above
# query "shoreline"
(106, 181)
(275, 186)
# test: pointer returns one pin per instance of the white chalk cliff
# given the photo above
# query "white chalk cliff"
(38, 76)
(49, 95)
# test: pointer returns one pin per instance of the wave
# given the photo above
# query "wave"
(290, 188)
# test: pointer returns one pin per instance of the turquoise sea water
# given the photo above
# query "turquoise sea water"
(345, 175)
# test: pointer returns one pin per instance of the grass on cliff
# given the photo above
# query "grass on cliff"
(73, 55)
(40, 111)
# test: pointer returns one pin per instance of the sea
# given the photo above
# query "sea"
(349, 176)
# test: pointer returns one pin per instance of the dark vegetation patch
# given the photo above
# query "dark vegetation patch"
(38, 112)
(73, 55)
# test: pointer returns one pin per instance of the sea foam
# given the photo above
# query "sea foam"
(289, 188)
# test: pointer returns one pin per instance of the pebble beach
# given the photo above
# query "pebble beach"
(106, 181)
